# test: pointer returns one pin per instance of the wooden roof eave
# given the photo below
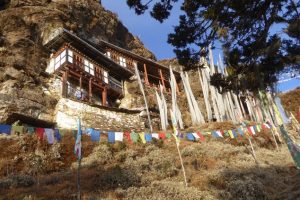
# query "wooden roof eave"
(138, 57)
(65, 36)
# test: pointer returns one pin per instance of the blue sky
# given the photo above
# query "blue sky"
(154, 35)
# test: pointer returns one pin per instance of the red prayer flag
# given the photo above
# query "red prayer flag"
(249, 131)
(202, 138)
(127, 136)
(40, 133)
(162, 136)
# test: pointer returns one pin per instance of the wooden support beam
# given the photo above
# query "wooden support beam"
(65, 83)
(146, 75)
(104, 96)
(80, 83)
(162, 79)
(90, 90)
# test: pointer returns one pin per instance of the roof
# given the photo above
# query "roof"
(63, 36)
(138, 57)
(90, 49)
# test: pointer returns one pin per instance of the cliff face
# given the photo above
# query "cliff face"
(25, 26)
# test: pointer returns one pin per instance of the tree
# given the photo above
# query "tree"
(252, 49)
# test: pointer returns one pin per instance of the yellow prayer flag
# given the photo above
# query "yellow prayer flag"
(230, 134)
(142, 136)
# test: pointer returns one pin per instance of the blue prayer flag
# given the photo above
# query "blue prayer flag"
(57, 135)
(189, 136)
(240, 131)
(77, 149)
(234, 133)
(95, 136)
(148, 137)
(215, 134)
(5, 129)
(111, 137)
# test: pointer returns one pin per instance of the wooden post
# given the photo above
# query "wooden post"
(146, 75)
(104, 96)
(90, 90)
(162, 79)
(65, 83)
(80, 83)
(253, 152)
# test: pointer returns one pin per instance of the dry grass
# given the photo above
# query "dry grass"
(291, 101)
(216, 169)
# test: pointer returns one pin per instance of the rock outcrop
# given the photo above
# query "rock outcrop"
(25, 26)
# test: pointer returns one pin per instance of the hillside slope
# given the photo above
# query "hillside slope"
(291, 101)
(216, 169)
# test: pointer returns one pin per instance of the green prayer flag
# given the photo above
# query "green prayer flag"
(168, 135)
(18, 129)
(30, 130)
(134, 137)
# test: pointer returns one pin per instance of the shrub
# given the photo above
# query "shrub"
(247, 190)
(163, 190)
(19, 180)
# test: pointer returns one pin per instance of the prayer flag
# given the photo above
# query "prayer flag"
(111, 137)
(148, 137)
(168, 135)
(134, 137)
(226, 133)
(30, 130)
(216, 134)
(266, 126)
(89, 131)
(255, 129)
(156, 136)
(142, 136)
(40, 133)
(196, 136)
(230, 134)
(119, 136)
(77, 148)
(162, 136)
(95, 135)
(17, 129)
(219, 133)
(190, 137)
(5, 129)
(234, 133)
(202, 138)
(50, 135)
(127, 136)
(57, 135)
(252, 130)
(258, 127)
(240, 130)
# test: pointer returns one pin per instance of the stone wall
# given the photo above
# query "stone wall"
(101, 118)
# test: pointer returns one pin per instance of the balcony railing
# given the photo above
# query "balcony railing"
(115, 85)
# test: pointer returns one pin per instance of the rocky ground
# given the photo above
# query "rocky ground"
(216, 169)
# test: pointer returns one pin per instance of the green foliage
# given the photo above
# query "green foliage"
(245, 29)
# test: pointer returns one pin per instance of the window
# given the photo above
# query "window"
(105, 77)
(70, 56)
(60, 59)
(108, 54)
(122, 61)
(89, 67)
